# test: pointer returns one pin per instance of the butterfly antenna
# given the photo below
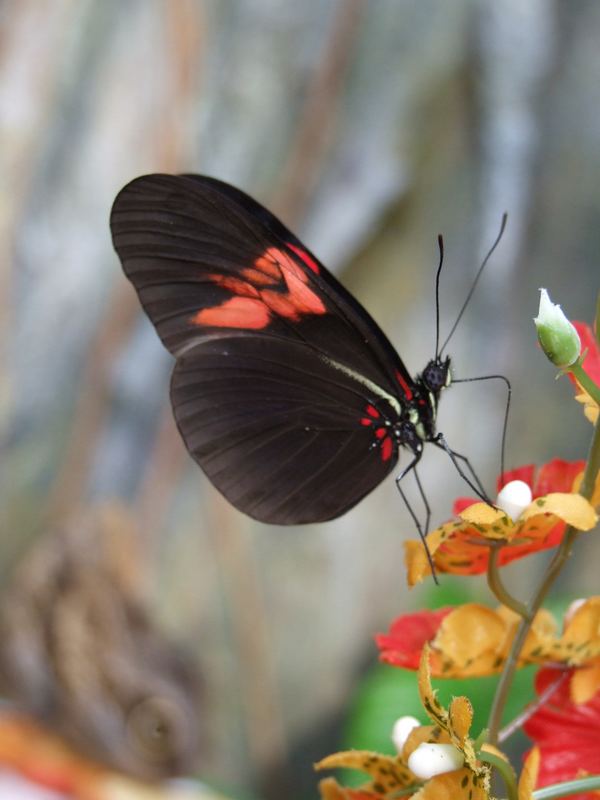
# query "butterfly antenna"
(437, 294)
(474, 284)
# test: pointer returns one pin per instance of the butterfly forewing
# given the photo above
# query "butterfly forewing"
(276, 361)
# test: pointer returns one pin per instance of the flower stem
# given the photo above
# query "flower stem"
(499, 589)
(584, 380)
(504, 768)
(560, 558)
(532, 708)
(576, 786)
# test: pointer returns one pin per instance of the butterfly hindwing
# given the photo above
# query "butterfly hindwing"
(275, 429)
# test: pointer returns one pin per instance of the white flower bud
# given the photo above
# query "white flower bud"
(514, 498)
(430, 759)
(558, 338)
(401, 731)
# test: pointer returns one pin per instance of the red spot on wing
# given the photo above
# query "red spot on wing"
(255, 299)
(235, 285)
(366, 421)
(238, 312)
(268, 263)
(260, 278)
(404, 386)
(380, 433)
(387, 448)
(372, 411)
(305, 300)
(310, 262)
(281, 305)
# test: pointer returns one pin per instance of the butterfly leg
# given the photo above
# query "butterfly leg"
(475, 484)
(412, 466)
(424, 499)
(506, 382)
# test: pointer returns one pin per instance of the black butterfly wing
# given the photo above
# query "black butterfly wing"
(276, 429)
(214, 269)
(191, 246)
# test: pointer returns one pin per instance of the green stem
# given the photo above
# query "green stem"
(504, 768)
(592, 468)
(576, 786)
(506, 679)
(532, 708)
(407, 791)
(584, 380)
(560, 558)
(499, 589)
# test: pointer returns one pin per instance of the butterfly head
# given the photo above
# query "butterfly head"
(436, 375)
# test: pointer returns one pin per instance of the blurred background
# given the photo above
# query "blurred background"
(369, 127)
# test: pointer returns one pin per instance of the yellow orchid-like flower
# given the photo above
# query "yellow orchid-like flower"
(579, 647)
(463, 546)
(467, 778)
(474, 640)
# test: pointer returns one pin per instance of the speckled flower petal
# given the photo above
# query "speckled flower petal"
(329, 789)
(485, 515)
(388, 773)
(529, 773)
(462, 784)
(573, 509)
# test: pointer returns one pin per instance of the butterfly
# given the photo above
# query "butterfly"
(285, 390)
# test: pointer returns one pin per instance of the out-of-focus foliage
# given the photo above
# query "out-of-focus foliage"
(369, 127)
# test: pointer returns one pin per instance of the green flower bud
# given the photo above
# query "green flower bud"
(558, 338)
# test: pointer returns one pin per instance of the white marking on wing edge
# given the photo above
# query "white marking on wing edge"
(393, 401)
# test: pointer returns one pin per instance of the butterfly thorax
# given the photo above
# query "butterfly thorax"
(418, 422)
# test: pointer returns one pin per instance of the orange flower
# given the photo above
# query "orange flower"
(470, 640)
(473, 640)
(463, 546)
(390, 776)
(579, 647)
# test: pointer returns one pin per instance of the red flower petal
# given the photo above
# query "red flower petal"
(591, 363)
(525, 474)
(463, 502)
(403, 645)
(567, 734)
(556, 476)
